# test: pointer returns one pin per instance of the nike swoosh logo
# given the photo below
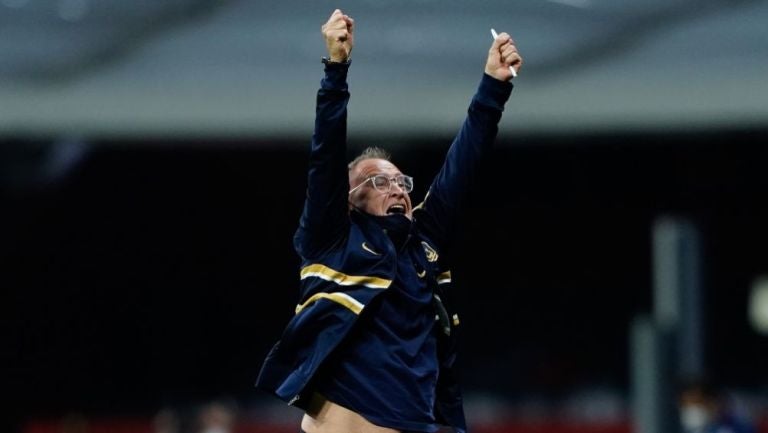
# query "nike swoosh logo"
(367, 248)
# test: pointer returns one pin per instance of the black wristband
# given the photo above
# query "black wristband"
(327, 61)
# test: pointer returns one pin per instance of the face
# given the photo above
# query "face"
(369, 199)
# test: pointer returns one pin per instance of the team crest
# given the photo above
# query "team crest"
(431, 253)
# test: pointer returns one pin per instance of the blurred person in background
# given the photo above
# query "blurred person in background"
(216, 417)
(166, 420)
(372, 345)
(704, 408)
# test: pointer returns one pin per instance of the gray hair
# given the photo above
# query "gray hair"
(371, 152)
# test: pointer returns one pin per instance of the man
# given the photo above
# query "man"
(371, 348)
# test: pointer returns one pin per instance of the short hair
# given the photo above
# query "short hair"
(371, 152)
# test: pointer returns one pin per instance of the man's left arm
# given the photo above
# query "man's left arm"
(472, 146)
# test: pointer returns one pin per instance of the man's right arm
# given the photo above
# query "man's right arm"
(325, 210)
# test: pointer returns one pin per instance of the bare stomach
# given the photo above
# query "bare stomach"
(325, 416)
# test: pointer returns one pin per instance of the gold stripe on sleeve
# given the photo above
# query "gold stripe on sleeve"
(340, 298)
(443, 278)
(328, 274)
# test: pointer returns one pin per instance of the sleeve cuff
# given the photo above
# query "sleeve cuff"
(335, 75)
(493, 93)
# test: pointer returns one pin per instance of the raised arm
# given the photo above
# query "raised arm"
(441, 209)
(325, 215)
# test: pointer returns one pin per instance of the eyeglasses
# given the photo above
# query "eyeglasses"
(383, 183)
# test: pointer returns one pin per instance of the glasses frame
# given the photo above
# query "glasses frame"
(399, 180)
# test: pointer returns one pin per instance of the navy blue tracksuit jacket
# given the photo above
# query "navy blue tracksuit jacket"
(348, 260)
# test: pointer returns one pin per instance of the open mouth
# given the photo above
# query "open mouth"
(396, 209)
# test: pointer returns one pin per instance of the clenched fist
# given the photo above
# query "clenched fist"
(501, 56)
(338, 32)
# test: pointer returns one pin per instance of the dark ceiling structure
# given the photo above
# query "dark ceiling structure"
(237, 68)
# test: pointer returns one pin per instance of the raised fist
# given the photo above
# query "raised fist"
(338, 32)
(501, 56)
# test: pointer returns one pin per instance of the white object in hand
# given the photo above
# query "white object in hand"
(511, 69)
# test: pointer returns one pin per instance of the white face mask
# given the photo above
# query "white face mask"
(694, 418)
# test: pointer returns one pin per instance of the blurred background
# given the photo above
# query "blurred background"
(153, 162)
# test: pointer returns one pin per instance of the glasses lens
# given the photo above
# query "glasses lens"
(380, 182)
(405, 182)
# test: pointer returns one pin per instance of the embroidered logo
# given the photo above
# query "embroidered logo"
(421, 274)
(367, 248)
(431, 253)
